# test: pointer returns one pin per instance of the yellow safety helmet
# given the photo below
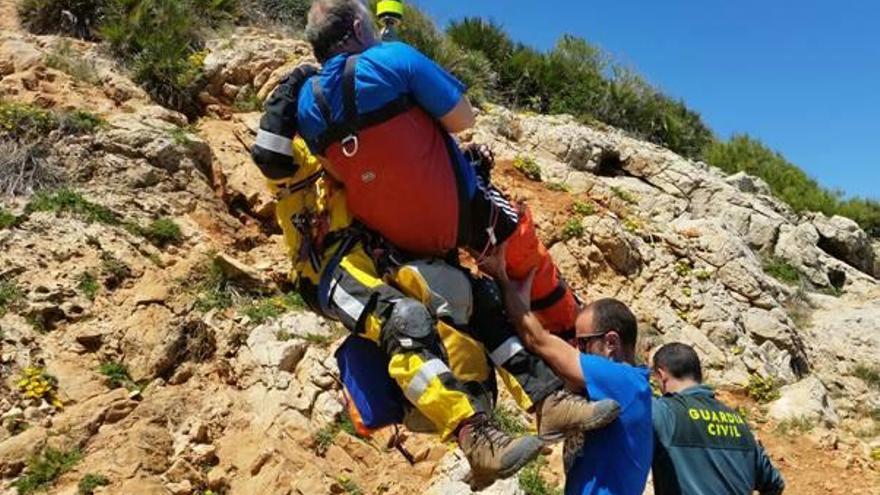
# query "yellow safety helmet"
(389, 8)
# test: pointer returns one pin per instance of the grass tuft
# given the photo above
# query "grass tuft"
(782, 270)
(43, 469)
(532, 481)
(70, 201)
(10, 294)
(117, 375)
(528, 167)
(7, 219)
(88, 285)
(624, 195)
(583, 209)
(261, 310)
(89, 482)
(795, 426)
(64, 58)
(762, 390)
(868, 374)
(573, 229)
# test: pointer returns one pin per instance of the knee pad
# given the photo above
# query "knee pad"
(409, 328)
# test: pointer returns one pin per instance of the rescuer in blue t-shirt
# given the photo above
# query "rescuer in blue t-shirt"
(614, 460)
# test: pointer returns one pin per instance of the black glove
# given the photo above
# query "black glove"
(482, 158)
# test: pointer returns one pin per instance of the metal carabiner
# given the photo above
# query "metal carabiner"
(350, 140)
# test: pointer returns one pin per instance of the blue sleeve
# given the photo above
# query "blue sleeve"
(768, 479)
(609, 380)
(434, 89)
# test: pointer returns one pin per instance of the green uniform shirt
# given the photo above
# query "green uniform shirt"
(703, 447)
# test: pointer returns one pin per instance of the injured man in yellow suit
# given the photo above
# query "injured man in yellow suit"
(440, 329)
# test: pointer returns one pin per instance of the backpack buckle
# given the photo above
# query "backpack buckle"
(350, 146)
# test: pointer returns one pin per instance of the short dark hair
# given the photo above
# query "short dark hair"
(679, 360)
(330, 25)
(610, 314)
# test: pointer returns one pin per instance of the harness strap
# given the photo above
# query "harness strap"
(323, 106)
(349, 98)
(551, 298)
(299, 186)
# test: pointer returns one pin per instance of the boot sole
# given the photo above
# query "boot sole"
(594, 424)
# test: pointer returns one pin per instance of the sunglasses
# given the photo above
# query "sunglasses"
(582, 341)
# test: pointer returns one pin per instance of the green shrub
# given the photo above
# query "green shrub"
(781, 270)
(89, 482)
(67, 200)
(81, 122)
(161, 41)
(532, 481)
(163, 232)
(528, 166)
(43, 469)
(26, 121)
(77, 18)
(762, 389)
(214, 290)
(88, 285)
(557, 186)
(7, 219)
(113, 270)
(117, 375)
(573, 229)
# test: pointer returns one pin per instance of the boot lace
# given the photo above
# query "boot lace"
(488, 433)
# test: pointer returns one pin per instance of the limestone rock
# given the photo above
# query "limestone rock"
(807, 399)
(843, 239)
(269, 351)
(452, 473)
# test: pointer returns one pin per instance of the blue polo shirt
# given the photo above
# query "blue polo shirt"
(384, 73)
(616, 459)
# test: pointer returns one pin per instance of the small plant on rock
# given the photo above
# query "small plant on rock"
(88, 285)
(9, 295)
(77, 18)
(349, 485)
(113, 270)
(89, 482)
(624, 195)
(762, 389)
(43, 469)
(558, 187)
(163, 232)
(781, 270)
(532, 481)
(67, 200)
(7, 219)
(36, 384)
(26, 121)
(683, 268)
(117, 375)
(702, 275)
(261, 310)
(528, 166)
(583, 209)
(81, 122)
(573, 229)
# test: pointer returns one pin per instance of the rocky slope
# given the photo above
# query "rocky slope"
(213, 402)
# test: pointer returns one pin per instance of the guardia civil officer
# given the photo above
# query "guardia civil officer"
(701, 446)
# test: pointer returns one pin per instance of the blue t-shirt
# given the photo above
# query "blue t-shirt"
(615, 460)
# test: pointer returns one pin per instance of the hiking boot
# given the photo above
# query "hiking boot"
(493, 454)
(563, 413)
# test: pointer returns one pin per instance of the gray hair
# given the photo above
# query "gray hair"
(331, 24)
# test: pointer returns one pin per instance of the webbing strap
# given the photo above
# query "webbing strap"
(323, 106)
(551, 298)
(349, 98)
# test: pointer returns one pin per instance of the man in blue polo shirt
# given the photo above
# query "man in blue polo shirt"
(614, 460)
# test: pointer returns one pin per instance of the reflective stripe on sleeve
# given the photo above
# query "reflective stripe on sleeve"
(274, 142)
(349, 304)
(511, 347)
(419, 383)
